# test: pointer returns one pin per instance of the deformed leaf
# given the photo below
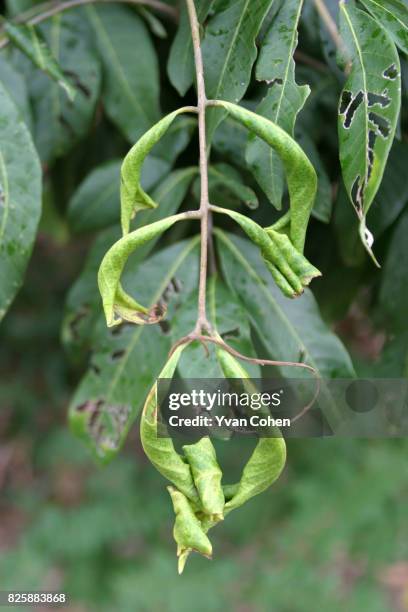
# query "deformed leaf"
(284, 99)
(20, 199)
(393, 15)
(132, 195)
(262, 469)
(368, 111)
(160, 449)
(188, 531)
(30, 42)
(290, 269)
(300, 174)
(207, 476)
(117, 304)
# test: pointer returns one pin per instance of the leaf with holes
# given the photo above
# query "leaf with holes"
(30, 42)
(20, 199)
(369, 109)
(229, 51)
(126, 360)
(284, 100)
(393, 15)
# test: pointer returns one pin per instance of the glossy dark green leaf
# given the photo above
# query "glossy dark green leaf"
(393, 15)
(180, 65)
(284, 100)
(20, 199)
(30, 42)
(229, 51)
(131, 78)
(369, 109)
(126, 360)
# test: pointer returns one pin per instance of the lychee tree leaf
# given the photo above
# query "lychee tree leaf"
(30, 42)
(284, 99)
(289, 330)
(393, 15)
(132, 195)
(127, 360)
(300, 174)
(131, 74)
(369, 108)
(59, 124)
(20, 199)
(83, 302)
(180, 65)
(229, 51)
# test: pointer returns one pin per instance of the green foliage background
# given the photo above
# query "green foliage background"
(332, 533)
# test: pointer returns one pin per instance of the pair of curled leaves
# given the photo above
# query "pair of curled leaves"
(369, 109)
(300, 174)
(30, 42)
(290, 269)
(200, 501)
(132, 195)
(118, 305)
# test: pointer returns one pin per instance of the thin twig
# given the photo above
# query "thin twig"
(262, 362)
(202, 321)
(42, 12)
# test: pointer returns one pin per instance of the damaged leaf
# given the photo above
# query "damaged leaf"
(300, 174)
(368, 111)
(118, 305)
(132, 195)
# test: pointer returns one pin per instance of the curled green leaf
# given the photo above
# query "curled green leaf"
(264, 467)
(26, 38)
(117, 304)
(300, 174)
(289, 268)
(160, 450)
(207, 476)
(132, 195)
(188, 531)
